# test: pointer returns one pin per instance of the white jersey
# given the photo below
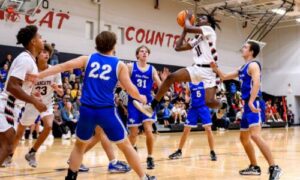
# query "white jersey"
(204, 46)
(44, 87)
(10, 107)
(23, 64)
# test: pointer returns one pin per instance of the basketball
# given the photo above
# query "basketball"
(181, 18)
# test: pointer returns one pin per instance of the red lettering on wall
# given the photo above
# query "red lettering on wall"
(169, 36)
(62, 16)
(175, 39)
(160, 38)
(47, 19)
(140, 35)
(127, 33)
(150, 41)
(1, 15)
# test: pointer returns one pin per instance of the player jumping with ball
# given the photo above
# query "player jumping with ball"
(204, 50)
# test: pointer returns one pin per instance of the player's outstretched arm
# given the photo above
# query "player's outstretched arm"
(125, 81)
(222, 75)
(69, 65)
(254, 72)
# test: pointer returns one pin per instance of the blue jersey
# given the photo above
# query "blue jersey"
(143, 81)
(197, 94)
(100, 81)
(246, 81)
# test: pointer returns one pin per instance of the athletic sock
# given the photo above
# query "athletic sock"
(71, 175)
(11, 155)
(154, 103)
(179, 150)
(32, 151)
(113, 162)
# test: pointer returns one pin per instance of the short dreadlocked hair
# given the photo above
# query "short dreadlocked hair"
(214, 23)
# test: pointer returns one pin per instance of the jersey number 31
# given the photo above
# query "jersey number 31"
(106, 69)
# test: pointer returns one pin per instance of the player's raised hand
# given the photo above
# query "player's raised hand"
(253, 108)
(189, 14)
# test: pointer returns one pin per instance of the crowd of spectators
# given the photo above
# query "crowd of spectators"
(172, 110)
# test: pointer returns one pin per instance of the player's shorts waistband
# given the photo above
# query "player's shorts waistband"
(203, 65)
(96, 107)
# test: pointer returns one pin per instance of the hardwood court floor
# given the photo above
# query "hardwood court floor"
(195, 164)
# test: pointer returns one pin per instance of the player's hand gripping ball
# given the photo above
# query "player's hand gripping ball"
(181, 18)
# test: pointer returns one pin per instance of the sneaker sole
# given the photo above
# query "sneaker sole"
(138, 106)
(250, 174)
(117, 172)
(174, 158)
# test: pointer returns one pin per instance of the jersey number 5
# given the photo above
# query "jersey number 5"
(106, 69)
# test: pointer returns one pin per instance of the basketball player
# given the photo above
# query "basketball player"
(16, 91)
(254, 109)
(198, 110)
(102, 73)
(45, 88)
(143, 76)
(204, 49)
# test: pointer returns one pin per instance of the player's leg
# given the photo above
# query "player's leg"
(210, 98)
(274, 170)
(116, 132)
(6, 139)
(211, 142)
(133, 134)
(85, 128)
(134, 121)
(148, 130)
(191, 121)
(245, 138)
(114, 166)
(181, 75)
(16, 140)
(48, 122)
(205, 116)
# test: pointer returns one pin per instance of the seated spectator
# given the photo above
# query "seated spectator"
(220, 120)
(3, 73)
(166, 113)
(178, 112)
(59, 128)
(269, 112)
(276, 113)
(74, 91)
(69, 117)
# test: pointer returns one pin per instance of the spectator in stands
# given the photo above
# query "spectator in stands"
(276, 113)
(291, 117)
(166, 113)
(178, 112)
(3, 76)
(74, 91)
(59, 127)
(8, 59)
(239, 116)
(69, 117)
(269, 112)
(220, 120)
(55, 56)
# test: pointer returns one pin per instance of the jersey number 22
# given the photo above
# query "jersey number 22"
(106, 69)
